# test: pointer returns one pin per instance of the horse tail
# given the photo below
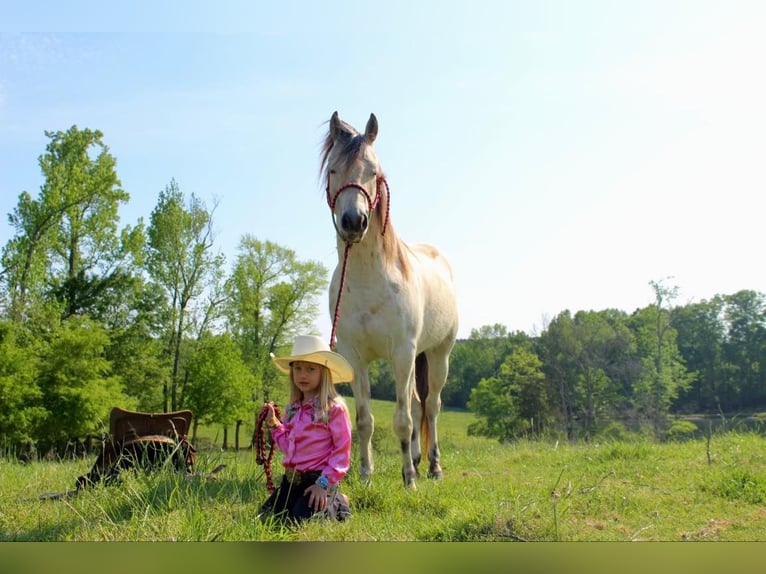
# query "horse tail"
(421, 385)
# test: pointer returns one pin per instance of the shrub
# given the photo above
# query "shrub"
(615, 431)
(681, 430)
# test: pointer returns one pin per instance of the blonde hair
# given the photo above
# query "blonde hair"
(327, 395)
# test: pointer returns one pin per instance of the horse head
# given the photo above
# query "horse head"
(354, 177)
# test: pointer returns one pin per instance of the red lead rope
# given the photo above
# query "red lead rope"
(337, 302)
(372, 204)
(260, 446)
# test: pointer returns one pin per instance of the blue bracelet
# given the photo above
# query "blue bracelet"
(322, 482)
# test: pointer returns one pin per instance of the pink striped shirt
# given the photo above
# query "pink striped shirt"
(309, 445)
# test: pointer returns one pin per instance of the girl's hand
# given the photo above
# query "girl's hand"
(317, 497)
(271, 416)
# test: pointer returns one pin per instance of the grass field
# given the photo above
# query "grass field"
(526, 491)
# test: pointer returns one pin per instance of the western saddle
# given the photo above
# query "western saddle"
(145, 441)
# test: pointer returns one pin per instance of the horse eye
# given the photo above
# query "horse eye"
(332, 172)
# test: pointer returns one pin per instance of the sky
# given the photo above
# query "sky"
(562, 154)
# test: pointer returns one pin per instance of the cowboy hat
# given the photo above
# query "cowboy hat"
(313, 349)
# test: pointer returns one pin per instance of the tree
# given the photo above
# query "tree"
(181, 261)
(591, 364)
(560, 349)
(745, 346)
(66, 245)
(514, 403)
(701, 338)
(137, 351)
(477, 358)
(219, 388)
(21, 411)
(664, 374)
(78, 388)
(272, 297)
(382, 381)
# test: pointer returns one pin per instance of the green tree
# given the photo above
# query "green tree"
(78, 389)
(67, 257)
(745, 346)
(181, 261)
(382, 381)
(590, 362)
(514, 403)
(21, 411)
(137, 351)
(66, 243)
(560, 349)
(701, 338)
(476, 358)
(272, 297)
(219, 389)
(664, 374)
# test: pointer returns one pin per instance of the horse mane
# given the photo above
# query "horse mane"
(352, 146)
(393, 247)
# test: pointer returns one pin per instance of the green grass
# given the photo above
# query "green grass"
(537, 491)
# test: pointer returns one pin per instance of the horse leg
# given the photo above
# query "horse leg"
(365, 426)
(365, 421)
(416, 411)
(438, 367)
(418, 407)
(403, 428)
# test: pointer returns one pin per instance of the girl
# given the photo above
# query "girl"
(315, 436)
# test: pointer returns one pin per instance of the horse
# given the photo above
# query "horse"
(398, 301)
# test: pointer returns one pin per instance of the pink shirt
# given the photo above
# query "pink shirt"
(309, 445)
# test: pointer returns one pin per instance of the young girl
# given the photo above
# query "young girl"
(315, 436)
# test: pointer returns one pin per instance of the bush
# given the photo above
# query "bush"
(615, 431)
(681, 430)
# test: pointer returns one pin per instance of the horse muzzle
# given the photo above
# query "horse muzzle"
(352, 225)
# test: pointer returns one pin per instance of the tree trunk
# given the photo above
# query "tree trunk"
(236, 434)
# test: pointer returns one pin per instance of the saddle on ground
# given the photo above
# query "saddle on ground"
(145, 441)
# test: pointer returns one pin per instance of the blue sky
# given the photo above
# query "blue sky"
(561, 153)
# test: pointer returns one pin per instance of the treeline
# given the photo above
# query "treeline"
(147, 316)
(150, 316)
(605, 371)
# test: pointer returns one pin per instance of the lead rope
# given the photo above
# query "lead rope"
(340, 290)
(372, 204)
(260, 446)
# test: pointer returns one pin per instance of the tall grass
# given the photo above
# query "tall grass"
(610, 490)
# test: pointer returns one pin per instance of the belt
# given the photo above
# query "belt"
(296, 477)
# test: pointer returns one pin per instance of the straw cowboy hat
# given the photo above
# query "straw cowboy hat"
(314, 350)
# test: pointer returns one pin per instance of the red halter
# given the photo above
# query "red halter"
(372, 204)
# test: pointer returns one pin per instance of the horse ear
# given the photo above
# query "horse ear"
(338, 129)
(371, 131)
(334, 125)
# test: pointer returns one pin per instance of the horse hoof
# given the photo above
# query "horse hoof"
(409, 482)
(435, 474)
